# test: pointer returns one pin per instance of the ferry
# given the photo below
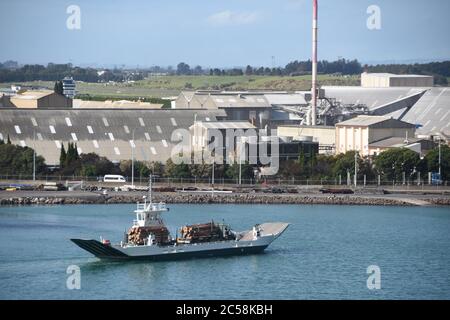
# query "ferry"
(149, 239)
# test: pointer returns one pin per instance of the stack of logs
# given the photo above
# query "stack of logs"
(201, 233)
(137, 235)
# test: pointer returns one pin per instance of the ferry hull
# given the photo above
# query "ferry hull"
(246, 244)
(104, 252)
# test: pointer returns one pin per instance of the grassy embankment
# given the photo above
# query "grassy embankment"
(163, 86)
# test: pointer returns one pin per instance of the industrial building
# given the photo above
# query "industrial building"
(107, 132)
(358, 133)
(34, 99)
(421, 146)
(389, 80)
(324, 136)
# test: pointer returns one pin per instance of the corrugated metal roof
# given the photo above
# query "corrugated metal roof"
(32, 95)
(240, 101)
(286, 99)
(227, 125)
(363, 121)
(371, 97)
(432, 112)
(394, 142)
(153, 140)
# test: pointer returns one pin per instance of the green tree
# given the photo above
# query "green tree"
(62, 156)
(156, 168)
(59, 87)
(391, 164)
(16, 160)
(173, 170)
(291, 168)
(246, 171)
(432, 161)
(345, 162)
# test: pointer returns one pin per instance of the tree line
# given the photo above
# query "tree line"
(10, 71)
(54, 72)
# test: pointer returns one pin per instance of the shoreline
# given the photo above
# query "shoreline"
(236, 198)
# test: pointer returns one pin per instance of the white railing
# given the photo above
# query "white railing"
(158, 206)
(140, 207)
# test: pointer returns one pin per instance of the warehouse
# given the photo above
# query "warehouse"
(389, 80)
(358, 133)
(107, 132)
(35, 99)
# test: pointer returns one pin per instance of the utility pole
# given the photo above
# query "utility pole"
(240, 163)
(132, 161)
(34, 155)
(356, 167)
(212, 177)
(440, 178)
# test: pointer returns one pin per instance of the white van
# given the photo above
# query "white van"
(113, 178)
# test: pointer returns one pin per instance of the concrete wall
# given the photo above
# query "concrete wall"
(54, 100)
(352, 138)
(412, 82)
(369, 80)
(325, 136)
(359, 138)
(377, 134)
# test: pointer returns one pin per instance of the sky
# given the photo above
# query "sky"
(220, 33)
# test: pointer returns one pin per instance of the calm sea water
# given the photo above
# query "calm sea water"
(324, 254)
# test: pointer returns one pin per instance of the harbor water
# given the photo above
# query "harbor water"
(324, 254)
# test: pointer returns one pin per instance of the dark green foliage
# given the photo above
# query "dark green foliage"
(232, 171)
(177, 170)
(431, 161)
(59, 88)
(393, 162)
(62, 156)
(16, 160)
